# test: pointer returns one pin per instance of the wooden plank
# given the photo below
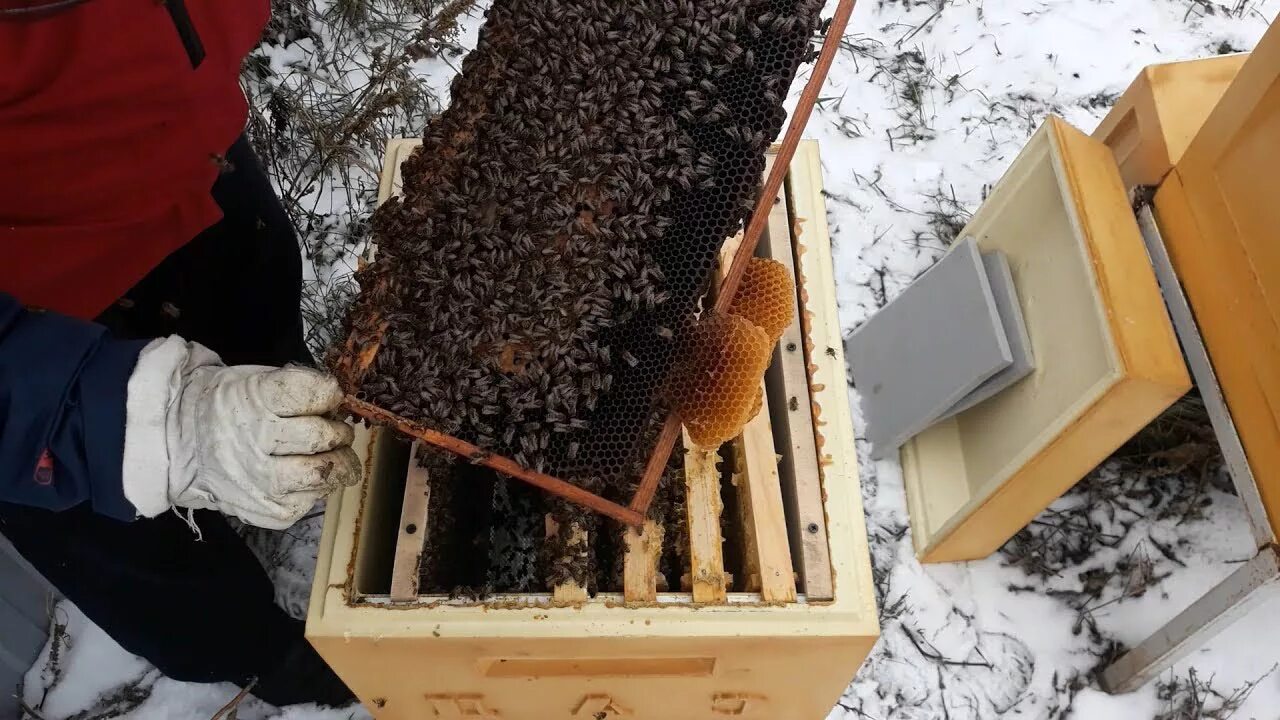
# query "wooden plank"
(640, 564)
(738, 475)
(792, 421)
(750, 549)
(825, 377)
(703, 507)
(390, 182)
(1218, 214)
(767, 519)
(570, 592)
(413, 531)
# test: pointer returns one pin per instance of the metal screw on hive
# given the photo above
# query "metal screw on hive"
(559, 227)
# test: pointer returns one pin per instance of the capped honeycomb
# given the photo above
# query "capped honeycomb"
(766, 296)
(559, 227)
(716, 385)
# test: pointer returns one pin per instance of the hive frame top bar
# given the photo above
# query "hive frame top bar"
(635, 512)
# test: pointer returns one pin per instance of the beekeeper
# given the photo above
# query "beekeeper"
(149, 290)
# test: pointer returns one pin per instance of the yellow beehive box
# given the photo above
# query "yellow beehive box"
(1219, 215)
(772, 654)
(1107, 361)
(1151, 125)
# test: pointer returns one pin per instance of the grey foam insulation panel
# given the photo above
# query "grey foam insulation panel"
(928, 349)
(1015, 329)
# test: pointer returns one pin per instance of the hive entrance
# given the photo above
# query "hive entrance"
(559, 227)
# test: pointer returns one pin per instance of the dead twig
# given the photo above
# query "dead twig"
(228, 711)
(936, 657)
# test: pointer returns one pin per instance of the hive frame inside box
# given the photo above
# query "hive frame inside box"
(680, 655)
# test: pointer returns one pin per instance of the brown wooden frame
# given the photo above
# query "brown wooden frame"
(363, 345)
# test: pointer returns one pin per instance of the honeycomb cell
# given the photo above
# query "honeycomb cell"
(766, 296)
(715, 387)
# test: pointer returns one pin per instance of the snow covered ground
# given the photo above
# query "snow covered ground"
(927, 104)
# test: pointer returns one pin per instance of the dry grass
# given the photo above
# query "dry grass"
(1190, 698)
(1166, 473)
(332, 81)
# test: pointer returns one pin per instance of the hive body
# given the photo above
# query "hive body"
(640, 651)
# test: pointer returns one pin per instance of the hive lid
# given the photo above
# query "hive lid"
(1107, 359)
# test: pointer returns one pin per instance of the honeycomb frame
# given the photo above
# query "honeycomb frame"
(371, 323)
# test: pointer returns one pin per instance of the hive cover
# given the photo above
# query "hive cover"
(1106, 358)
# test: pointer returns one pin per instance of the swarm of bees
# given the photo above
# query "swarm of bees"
(560, 223)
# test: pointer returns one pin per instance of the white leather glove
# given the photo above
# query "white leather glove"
(248, 440)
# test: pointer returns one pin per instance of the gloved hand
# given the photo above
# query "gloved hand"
(249, 441)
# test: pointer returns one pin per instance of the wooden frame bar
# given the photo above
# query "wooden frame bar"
(570, 592)
(703, 507)
(640, 563)
(413, 531)
(792, 422)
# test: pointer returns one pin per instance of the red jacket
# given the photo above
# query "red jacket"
(110, 140)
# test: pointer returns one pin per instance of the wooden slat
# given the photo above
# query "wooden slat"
(640, 564)
(413, 531)
(767, 554)
(569, 592)
(825, 370)
(799, 473)
(767, 519)
(702, 508)
(750, 549)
